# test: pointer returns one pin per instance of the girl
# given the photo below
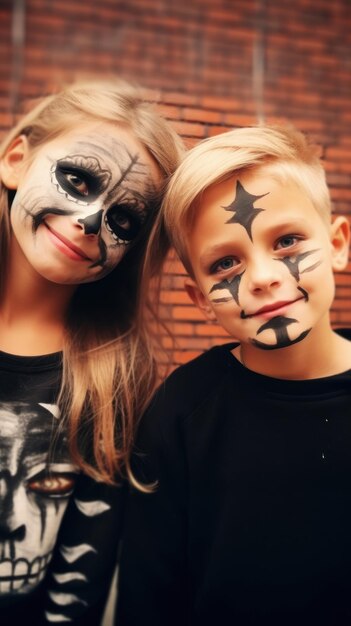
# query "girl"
(80, 180)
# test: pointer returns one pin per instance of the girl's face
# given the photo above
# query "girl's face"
(81, 200)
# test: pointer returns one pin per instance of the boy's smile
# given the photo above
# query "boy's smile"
(266, 273)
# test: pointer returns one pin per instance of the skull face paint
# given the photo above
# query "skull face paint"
(34, 492)
(275, 274)
(82, 200)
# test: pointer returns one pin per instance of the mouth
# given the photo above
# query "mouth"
(271, 310)
(64, 245)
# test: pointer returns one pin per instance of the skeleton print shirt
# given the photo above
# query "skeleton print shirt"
(59, 529)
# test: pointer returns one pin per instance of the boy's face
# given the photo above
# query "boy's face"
(263, 260)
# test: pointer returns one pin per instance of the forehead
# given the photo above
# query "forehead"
(283, 204)
(112, 145)
(279, 200)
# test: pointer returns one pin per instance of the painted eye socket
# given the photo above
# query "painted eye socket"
(287, 241)
(123, 223)
(52, 485)
(77, 183)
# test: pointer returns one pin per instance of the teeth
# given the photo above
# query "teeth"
(5, 586)
(17, 584)
(35, 567)
(20, 574)
(21, 568)
(5, 569)
(42, 574)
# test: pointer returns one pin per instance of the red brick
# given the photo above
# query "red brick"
(187, 129)
(199, 72)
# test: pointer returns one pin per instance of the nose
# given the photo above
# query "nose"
(92, 223)
(264, 274)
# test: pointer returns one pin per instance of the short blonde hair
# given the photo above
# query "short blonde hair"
(282, 151)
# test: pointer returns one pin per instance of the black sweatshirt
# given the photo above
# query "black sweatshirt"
(250, 523)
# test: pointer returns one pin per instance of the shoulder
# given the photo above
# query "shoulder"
(162, 429)
(190, 383)
(184, 391)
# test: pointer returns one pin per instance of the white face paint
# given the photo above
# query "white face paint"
(33, 494)
(80, 203)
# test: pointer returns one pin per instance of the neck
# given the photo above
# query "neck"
(32, 312)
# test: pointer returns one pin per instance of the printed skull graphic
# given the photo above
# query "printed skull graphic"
(36, 480)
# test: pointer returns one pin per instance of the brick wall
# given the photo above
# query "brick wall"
(212, 65)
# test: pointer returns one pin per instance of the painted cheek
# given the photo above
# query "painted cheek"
(293, 263)
(231, 285)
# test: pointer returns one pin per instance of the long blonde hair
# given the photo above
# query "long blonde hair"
(109, 366)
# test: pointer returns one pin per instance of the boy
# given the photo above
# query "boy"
(249, 445)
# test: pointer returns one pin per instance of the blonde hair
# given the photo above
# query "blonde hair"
(283, 152)
(109, 365)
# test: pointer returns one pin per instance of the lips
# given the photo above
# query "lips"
(274, 307)
(66, 246)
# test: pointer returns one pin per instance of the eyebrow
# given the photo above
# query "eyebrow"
(227, 247)
(218, 250)
(97, 148)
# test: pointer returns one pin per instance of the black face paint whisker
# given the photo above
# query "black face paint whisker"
(218, 300)
(311, 268)
(304, 293)
(39, 218)
(292, 262)
(231, 284)
(103, 255)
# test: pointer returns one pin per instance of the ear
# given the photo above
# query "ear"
(199, 299)
(11, 164)
(340, 240)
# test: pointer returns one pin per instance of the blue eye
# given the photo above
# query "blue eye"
(287, 241)
(224, 264)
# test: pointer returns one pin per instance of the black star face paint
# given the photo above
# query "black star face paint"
(243, 208)
(82, 201)
(272, 288)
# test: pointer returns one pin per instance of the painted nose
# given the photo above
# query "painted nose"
(92, 223)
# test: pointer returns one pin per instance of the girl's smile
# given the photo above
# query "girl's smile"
(65, 246)
(82, 197)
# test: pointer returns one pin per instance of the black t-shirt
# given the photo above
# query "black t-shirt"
(250, 523)
(59, 529)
